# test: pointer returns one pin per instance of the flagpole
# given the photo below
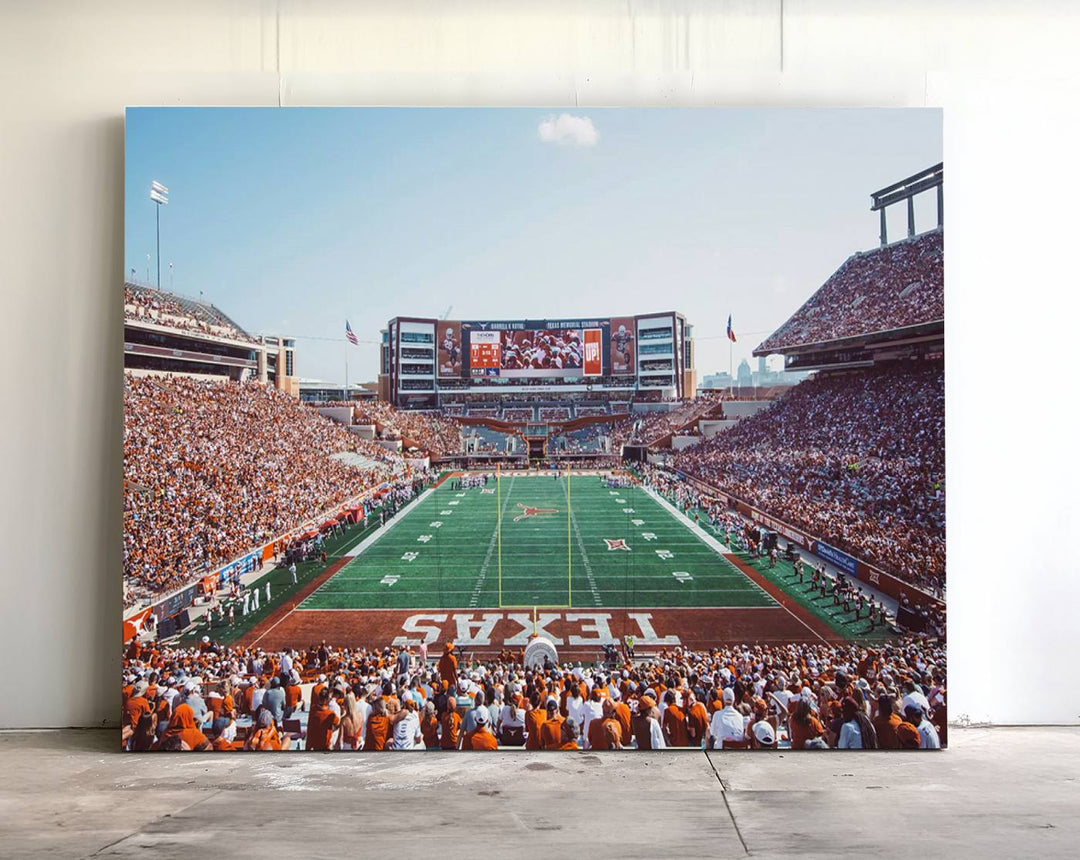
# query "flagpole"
(730, 369)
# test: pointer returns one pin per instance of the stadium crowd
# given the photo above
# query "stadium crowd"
(648, 428)
(432, 432)
(856, 459)
(899, 285)
(147, 305)
(790, 696)
(212, 469)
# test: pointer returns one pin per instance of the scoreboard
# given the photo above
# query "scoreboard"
(485, 353)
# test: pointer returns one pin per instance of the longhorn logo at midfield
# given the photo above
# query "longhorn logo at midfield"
(526, 511)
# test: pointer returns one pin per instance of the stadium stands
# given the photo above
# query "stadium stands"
(583, 441)
(212, 469)
(433, 432)
(482, 440)
(856, 459)
(887, 288)
(649, 428)
(517, 413)
(143, 304)
(794, 696)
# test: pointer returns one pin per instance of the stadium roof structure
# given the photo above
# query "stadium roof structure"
(894, 293)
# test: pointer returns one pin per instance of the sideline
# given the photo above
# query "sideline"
(379, 532)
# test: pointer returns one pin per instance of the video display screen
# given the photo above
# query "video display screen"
(541, 352)
(525, 349)
(621, 359)
(449, 349)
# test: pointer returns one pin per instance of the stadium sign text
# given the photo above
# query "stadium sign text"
(840, 559)
(516, 629)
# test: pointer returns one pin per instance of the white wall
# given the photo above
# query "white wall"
(1003, 71)
(745, 408)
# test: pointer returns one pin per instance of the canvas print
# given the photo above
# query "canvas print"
(551, 430)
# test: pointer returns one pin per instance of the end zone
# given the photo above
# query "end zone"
(577, 633)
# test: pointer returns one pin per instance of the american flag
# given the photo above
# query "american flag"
(349, 334)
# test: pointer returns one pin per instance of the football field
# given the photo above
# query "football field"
(537, 554)
(526, 541)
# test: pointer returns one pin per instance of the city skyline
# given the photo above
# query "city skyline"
(294, 221)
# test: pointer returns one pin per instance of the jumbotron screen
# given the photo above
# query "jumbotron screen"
(523, 349)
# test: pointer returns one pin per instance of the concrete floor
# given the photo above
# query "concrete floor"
(996, 792)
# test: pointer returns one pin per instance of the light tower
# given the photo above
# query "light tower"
(160, 195)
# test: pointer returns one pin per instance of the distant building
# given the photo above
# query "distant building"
(756, 379)
(317, 391)
(714, 381)
(743, 375)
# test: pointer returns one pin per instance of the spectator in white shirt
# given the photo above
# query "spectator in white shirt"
(727, 724)
(928, 736)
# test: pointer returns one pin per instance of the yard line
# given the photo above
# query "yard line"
(584, 559)
(491, 549)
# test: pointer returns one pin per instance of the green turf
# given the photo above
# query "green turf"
(458, 557)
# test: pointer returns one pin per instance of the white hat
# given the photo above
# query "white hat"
(206, 639)
(764, 733)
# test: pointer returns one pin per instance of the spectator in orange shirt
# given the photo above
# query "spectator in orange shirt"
(322, 721)
(448, 666)
(673, 723)
(293, 694)
(907, 735)
(886, 723)
(481, 737)
(265, 736)
(697, 722)
(429, 727)
(182, 729)
(804, 725)
(378, 727)
(451, 726)
(534, 719)
(137, 704)
(551, 730)
(605, 733)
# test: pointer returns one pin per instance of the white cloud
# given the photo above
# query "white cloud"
(569, 130)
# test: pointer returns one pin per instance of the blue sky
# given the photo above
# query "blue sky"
(292, 220)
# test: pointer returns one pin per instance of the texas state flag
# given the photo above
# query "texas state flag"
(730, 330)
